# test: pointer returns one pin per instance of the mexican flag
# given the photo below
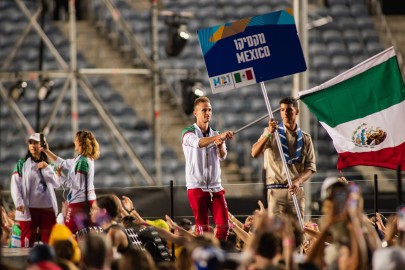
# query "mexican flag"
(245, 75)
(363, 110)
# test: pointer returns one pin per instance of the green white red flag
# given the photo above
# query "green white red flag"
(363, 110)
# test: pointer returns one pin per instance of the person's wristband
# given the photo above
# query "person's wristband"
(287, 242)
(268, 136)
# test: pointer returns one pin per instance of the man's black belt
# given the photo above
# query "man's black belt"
(277, 186)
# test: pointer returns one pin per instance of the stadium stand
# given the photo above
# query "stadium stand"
(335, 47)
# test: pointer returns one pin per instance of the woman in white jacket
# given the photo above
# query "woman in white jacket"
(32, 188)
(79, 179)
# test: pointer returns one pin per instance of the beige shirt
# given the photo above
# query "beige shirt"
(275, 173)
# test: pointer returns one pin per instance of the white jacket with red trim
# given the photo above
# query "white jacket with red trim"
(202, 164)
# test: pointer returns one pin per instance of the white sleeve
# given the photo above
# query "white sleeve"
(65, 163)
(16, 189)
(191, 139)
(50, 176)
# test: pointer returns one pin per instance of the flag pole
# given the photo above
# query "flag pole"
(280, 149)
(258, 120)
(375, 200)
(399, 186)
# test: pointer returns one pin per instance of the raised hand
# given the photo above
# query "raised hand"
(127, 203)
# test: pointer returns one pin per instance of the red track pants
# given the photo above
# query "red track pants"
(201, 202)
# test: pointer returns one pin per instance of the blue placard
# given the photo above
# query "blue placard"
(251, 50)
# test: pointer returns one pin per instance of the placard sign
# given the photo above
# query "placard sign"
(251, 50)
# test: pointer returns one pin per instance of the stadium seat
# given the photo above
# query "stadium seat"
(369, 35)
(365, 23)
(331, 36)
(335, 2)
(337, 49)
(318, 49)
(325, 75)
(352, 35)
(358, 10)
(340, 11)
(320, 62)
(341, 62)
(355, 48)
(374, 48)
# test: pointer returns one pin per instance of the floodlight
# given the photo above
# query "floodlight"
(177, 37)
(191, 89)
(17, 90)
(198, 89)
(44, 89)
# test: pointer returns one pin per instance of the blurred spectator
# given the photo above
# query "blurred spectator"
(104, 212)
(136, 259)
(350, 237)
(391, 258)
(42, 257)
(65, 245)
(97, 253)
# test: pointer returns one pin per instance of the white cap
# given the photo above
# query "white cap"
(327, 183)
(34, 137)
(390, 258)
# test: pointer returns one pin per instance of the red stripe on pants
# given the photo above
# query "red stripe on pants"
(201, 202)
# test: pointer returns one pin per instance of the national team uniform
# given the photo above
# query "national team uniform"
(80, 171)
(34, 188)
(203, 178)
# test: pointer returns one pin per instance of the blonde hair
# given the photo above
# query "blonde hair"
(201, 100)
(88, 143)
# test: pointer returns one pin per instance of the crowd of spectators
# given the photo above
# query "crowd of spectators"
(343, 238)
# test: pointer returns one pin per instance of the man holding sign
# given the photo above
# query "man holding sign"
(204, 147)
(299, 155)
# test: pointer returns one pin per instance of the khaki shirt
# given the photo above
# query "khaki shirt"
(275, 173)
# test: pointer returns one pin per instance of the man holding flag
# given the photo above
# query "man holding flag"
(299, 155)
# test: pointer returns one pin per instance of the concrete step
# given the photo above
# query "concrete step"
(136, 90)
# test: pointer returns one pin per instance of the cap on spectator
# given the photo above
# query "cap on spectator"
(328, 182)
(390, 258)
(61, 232)
(34, 137)
(159, 223)
(41, 253)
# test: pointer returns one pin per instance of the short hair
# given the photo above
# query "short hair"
(186, 224)
(289, 100)
(64, 249)
(88, 143)
(95, 250)
(268, 245)
(109, 203)
(201, 100)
